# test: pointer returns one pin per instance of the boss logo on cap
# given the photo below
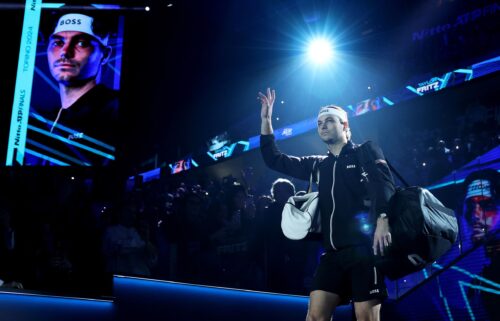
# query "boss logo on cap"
(70, 22)
(81, 23)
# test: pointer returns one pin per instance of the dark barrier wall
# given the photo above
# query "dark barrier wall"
(23, 307)
(140, 299)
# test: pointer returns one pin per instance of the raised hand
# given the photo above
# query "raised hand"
(266, 112)
(267, 102)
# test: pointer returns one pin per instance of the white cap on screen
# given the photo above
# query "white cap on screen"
(81, 23)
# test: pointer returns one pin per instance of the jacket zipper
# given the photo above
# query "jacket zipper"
(333, 209)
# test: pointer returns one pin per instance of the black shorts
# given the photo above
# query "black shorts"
(350, 273)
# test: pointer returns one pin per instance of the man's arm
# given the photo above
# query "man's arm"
(299, 167)
(266, 112)
(380, 189)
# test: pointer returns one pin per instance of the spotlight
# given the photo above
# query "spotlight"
(320, 51)
(147, 8)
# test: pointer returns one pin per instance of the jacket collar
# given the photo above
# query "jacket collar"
(347, 149)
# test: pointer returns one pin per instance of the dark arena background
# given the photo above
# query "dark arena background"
(167, 214)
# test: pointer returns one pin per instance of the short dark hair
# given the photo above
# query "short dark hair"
(282, 183)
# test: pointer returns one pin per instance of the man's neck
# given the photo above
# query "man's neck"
(70, 94)
(336, 148)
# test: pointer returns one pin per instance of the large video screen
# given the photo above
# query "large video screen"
(66, 99)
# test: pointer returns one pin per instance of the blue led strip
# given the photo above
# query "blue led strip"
(106, 6)
(24, 83)
(468, 72)
(44, 298)
(153, 174)
(116, 84)
(447, 306)
(53, 151)
(478, 277)
(246, 144)
(209, 290)
(445, 300)
(413, 90)
(48, 158)
(463, 284)
(486, 67)
(426, 275)
(445, 80)
(460, 181)
(471, 275)
(230, 150)
(67, 141)
(387, 101)
(52, 5)
(481, 288)
(467, 303)
(212, 156)
(47, 80)
(119, 51)
(72, 131)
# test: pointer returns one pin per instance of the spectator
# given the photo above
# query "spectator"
(125, 250)
(7, 254)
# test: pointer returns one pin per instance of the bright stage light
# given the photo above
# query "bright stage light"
(320, 51)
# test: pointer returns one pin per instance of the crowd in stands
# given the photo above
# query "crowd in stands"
(219, 234)
(426, 158)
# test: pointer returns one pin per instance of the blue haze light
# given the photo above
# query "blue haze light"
(363, 220)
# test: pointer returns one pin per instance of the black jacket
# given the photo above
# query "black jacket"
(346, 220)
(86, 133)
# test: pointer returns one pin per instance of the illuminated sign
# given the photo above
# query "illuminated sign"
(287, 131)
(218, 142)
(438, 83)
(182, 165)
(426, 86)
(227, 151)
(24, 81)
(367, 105)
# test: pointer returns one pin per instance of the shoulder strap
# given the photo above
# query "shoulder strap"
(314, 172)
(363, 159)
(401, 179)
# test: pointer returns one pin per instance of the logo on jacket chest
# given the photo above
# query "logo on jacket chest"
(350, 166)
(75, 136)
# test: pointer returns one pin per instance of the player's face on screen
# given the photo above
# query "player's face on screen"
(74, 56)
(330, 129)
(484, 214)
